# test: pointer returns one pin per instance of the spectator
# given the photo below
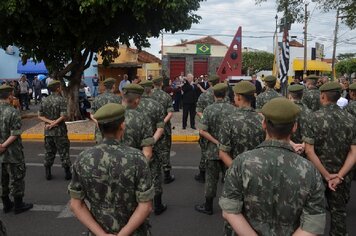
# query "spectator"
(95, 81)
(36, 87)
(177, 93)
(203, 85)
(190, 90)
(257, 84)
(24, 90)
(124, 82)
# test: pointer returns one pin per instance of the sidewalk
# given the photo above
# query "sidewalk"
(84, 130)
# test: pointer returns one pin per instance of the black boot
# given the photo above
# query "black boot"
(207, 207)
(159, 208)
(21, 206)
(68, 173)
(200, 177)
(8, 204)
(48, 173)
(168, 178)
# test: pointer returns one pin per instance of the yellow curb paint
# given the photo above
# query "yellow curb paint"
(185, 138)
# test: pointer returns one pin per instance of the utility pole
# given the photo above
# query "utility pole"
(305, 41)
(335, 42)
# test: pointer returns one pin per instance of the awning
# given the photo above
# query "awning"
(298, 64)
(31, 68)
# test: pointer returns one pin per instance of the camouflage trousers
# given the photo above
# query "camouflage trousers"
(98, 136)
(337, 202)
(203, 143)
(165, 151)
(13, 179)
(213, 169)
(156, 172)
(54, 144)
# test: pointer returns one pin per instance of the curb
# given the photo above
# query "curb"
(90, 137)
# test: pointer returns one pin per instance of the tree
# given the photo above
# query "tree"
(343, 56)
(65, 34)
(347, 66)
(254, 62)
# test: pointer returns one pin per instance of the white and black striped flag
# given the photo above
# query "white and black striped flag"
(284, 60)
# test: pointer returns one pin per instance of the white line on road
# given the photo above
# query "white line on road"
(66, 212)
(52, 208)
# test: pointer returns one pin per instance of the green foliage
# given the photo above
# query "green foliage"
(343, 56)
(347, 66)
(257, 61)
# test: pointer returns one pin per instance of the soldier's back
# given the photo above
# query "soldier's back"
(105, 98)
(311, 98)
(351, 108)
(163, 98)
(302, 121)
(152, 109)
(266, 96)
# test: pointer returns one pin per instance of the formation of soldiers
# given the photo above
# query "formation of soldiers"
(279, 163)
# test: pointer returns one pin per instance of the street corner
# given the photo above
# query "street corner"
(71, 137)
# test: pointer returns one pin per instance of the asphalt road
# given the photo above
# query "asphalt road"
(52, 217)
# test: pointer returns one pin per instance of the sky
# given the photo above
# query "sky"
(221, 19)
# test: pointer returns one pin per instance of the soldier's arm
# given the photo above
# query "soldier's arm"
(310, 152)
(15, 131)
(160, 125)
(168, 117)
(239, 224)
(147, 151)
(225, 143)
(170, 111)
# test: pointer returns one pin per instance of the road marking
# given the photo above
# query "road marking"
(43, 155)
(173, 153)
(66, 212)
(51, 208)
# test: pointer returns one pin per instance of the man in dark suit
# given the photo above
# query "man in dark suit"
(203, 85)
(257, 84)
(190, 92)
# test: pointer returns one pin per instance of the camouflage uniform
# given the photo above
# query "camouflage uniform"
(351, 108)
(56, 139)
(311, 98)
(212, 121)
(264, 97)
(302, 121)
(99, 101)
(13, 160)
(166, 101)
(332, 131)
(276, 190)
(242, 131)
(113, 178)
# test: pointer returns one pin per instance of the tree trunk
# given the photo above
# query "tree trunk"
(72, 95)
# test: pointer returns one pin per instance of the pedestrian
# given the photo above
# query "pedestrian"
(330, 143)
(242, 130)
(270, 93)
(123, 83)
(210, 127)
(177, 93)
(95, 81)
(256, 83)
(165, 151)
(11, 155)
(37, 86)
(312, 94)
(53, 112)
(106, 97)
(155, 112)
(271, 190)
(138, 129)
(190, 92)
(351, 107)
(114, 180)
(24, 93)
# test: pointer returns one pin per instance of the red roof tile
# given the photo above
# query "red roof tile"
(207, 40)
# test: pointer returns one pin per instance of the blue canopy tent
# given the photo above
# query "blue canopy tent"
(31, 67)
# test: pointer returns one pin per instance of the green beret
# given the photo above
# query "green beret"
(146, 83)
(312, 77)
(157, 80)
(109, 81)
(244, 87)
(109, 113)
(280, 111)
(331, 86)
(220, 87)
(6, 88)
(133, 88)
(352, 86)
(214, 78)
(54, 84)
(270, 78)
(295, 88)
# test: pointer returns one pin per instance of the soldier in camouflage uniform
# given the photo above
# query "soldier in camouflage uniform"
(270, 93)
(107, 97)
(242, 130)
(155, 112)
(11, 154)
(53, 112)
(210, 128)
(204, 100)
(330, 143)
(271, 190)
(114, 179)
(138, 129)
(351, 106)
(312, 94)
(166, 101)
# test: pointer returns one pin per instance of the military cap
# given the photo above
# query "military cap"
(109, 81)
(6, 88)
(214, 78)
(109, 113)
(220, 87)
(330, 86)
(133, 88)
(54, 83)
(312, 77)
(280, 111)
(270, 78)
(352, 86)
(146, 83)
(244, 87)
(157, 80)
(295, 88)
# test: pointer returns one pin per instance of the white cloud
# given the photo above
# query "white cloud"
(222, 17)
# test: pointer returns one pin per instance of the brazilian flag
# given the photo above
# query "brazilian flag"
(203, 49)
